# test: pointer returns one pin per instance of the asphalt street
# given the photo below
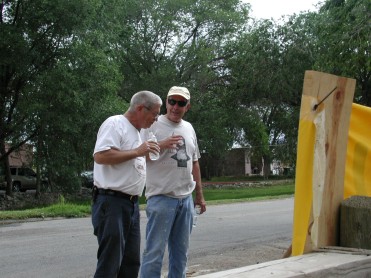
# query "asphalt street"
(226, 236)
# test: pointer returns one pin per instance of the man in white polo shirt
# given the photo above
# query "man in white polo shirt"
(119, 178)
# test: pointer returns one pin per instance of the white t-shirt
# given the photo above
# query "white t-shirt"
(171, 174)
(128, 177)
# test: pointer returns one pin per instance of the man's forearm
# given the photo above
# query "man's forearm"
(114, 156)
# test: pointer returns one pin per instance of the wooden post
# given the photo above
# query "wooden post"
(355, 222)
(328, 100)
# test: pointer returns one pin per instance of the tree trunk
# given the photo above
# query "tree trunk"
(267, 166)
(5, 163)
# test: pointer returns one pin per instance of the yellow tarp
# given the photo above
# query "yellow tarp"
(357, 169)
(358, 164)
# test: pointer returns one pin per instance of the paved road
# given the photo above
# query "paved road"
(227, 236)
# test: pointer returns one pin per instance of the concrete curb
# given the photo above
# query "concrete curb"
(321, 264)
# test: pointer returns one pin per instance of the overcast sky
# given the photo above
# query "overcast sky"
(276, 8)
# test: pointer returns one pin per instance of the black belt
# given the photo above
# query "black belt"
(115, 193)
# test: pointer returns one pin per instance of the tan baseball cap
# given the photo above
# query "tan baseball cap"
(179, 91)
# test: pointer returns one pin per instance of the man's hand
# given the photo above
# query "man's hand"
(147, 147)
(171, 142)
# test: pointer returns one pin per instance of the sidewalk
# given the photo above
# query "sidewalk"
(317, 264)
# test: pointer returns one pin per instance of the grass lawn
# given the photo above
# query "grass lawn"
(212, 196)
(240, 194)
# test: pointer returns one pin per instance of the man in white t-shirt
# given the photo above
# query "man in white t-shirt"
(170, 182)
(119, 178)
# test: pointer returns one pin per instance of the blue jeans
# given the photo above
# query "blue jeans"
(169, 222)
(116, 225)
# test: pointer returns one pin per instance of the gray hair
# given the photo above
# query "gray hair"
(146, 98)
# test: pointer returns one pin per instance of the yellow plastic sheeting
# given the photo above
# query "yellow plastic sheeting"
(357, 171)
(303, 180)
(358, 163)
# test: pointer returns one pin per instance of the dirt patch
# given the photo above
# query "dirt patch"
(236, 257)
(29, 199)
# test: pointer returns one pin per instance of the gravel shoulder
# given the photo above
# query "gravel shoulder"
(238, 256)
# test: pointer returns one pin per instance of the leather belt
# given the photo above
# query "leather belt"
(115, 193)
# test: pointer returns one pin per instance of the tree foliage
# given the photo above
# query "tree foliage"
(344, 37)
(169, 43)
(268, 67)
(54, 68)
(66, 65)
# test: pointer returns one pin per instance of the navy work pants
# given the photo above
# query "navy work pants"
(117, 227)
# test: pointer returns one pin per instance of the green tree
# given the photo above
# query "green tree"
(268, 67)
(176, 42)
(57, 69)
(344, 42)
(167, 43)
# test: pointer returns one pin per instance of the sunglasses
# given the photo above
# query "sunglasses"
(181, 103)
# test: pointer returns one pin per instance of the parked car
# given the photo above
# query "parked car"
(87, 179)
(24, 178)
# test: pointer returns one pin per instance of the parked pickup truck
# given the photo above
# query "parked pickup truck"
(23, 178)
